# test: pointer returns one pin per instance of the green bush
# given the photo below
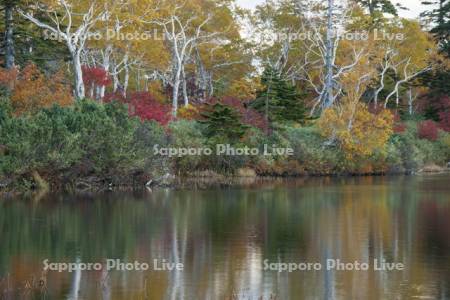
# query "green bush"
(89, 138)
(313, 152)
(102, 140)
(444, 143)
(188, 135)
(413, 153)
(394, 157)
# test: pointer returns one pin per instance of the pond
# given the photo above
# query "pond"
(310, 238)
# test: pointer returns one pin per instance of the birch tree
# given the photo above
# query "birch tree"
(183, 27)
(73, 22)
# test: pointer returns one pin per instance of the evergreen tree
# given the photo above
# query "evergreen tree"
(440, 16)
(293, 108)
(222, 122)
(437, 80)
(374, 6)
(279, 101)
(21, 43)
(267, 100)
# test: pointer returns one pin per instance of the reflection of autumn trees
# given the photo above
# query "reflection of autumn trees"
(223, 237)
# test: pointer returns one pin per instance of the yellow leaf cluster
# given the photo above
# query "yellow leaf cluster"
(189, 112)
(359, 133)
(243, 89)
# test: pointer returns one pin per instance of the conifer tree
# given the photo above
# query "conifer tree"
(222, 122)
(267, 100)
(279, 101)
(293, 108)
(440, 16)
(437, 80)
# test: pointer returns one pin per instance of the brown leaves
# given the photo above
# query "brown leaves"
(32, 90)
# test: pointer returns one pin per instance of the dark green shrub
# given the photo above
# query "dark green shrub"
(89, 138)
(222, 123)
(312, 151)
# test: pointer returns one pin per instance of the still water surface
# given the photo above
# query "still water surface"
(223, 237)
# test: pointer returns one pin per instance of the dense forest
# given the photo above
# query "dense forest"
(88, 88)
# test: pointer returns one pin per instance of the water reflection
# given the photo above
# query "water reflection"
(223, 237)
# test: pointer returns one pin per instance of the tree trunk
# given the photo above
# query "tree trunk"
(78, 74)
(410, 101)
(9, 35)
(211, 85)
(185, 94)
(106, 67)
(329, 57)
(91, 91)
(126, 81)
(176, 87)
(138, 83)
(115, 81)
(202, 78)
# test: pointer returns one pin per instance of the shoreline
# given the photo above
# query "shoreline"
(197, 180)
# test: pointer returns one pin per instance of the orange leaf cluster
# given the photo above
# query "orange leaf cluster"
(8, 77)
(32, 90)
(189, 112)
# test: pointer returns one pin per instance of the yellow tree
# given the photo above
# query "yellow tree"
(195, 36)
(349, 123)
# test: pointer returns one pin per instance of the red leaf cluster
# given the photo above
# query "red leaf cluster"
(95, 76)
(428, 130)
(444, 122)
(144, 106)
(376, 108)
(444, 114)
(399, 126)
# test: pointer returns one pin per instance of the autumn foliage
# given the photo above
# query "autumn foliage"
(444, 120)
(32, 90)
(8, 77)
(95, 77)
(188, 112)
(428, 130)
(144, 106)
(444, 113)
(249, 116)
(358, 132)
(399, 126)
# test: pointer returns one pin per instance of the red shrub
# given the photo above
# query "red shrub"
(95, 76)
(238, 104)
(443, 104)
(146, 107)
(143, 105)
(399, 126)
(254, 118)
(376, 108)
(428, 130)
(93, 79)
(117, 96)
(250, 116)
(444, 113)
(444, 122)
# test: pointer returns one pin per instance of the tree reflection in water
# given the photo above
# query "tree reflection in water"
(223, 236)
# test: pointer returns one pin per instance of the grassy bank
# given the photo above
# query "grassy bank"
(91, 145)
